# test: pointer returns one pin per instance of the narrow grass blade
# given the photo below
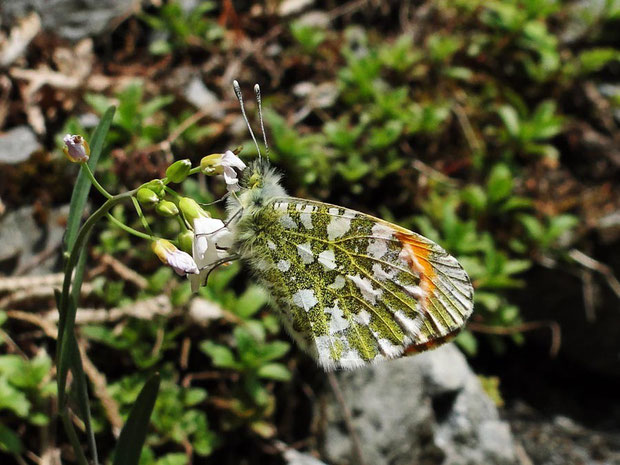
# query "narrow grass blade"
(133, 434)
(82, 396)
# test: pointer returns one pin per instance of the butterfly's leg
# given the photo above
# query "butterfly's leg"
(221, 261)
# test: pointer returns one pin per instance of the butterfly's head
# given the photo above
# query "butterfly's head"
(260, 183)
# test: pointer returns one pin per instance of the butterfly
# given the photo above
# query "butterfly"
(350, 288)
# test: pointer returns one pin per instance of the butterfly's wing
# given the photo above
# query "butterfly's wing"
(353, 288)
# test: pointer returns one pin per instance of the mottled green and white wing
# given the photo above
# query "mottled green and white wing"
(354, 289)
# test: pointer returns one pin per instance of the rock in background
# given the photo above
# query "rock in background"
(426, 409)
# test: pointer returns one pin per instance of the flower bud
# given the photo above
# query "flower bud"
(178, 171)
(157, 186)
(76, 148)
(191, 209)
(186, 241)
(212, 164)
(167, 208)
(181, 262)
(147, 197)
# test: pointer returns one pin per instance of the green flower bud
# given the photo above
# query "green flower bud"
(147, 197)
(178, 171)
(167, 208)
(191, 210)
(212, 164)
(186, 241)
(157, 186)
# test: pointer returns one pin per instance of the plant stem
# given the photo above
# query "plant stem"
(73, 439)
(145, 223)
(129, 229)
(92, 178)
(66, 321)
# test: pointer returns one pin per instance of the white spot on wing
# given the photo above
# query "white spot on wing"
(368, 292)
(410, 325)
(377, 248)
(380, 274)
(338, 283)
(287, 222)
(362, 318)
(351, 359)
(323, 345)
(305, 215)
(305, 299)
(305, 253)
(284, 265)
(328, 259)
(415, 291)
(383, 231)
(338, 226)
(337, 321)
(388, 349)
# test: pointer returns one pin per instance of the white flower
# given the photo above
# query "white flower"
(225, 164)
(209, 234)
(182, 263)
(76, 148)
(230, 161)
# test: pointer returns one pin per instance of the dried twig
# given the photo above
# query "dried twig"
(12, 284)
(427, 170)
(556, 332)
(48, 327)
(594, 265)
(143, 309)
(124, 271)
(356, 447)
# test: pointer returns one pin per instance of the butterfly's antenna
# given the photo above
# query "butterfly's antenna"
(240, 98)
(260, 118)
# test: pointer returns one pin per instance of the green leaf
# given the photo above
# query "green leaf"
(194, 396)
(274, 350)
(516, 266)
(499, 184)
(133, 435)
(558, 225)
(467, 342)
(9, 441)
(221, 355)
(12, 399)
(510, 119)
(275, 371)
(82, 396)
(595, 59)
(533, 227)
(475, 197)
(175, 458)
(251, 301)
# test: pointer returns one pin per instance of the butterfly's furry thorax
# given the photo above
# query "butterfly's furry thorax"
(260, 185)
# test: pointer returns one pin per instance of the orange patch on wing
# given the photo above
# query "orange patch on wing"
(417, 258)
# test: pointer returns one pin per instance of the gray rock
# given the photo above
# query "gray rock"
(201, 97)
(22, 237)
(294, 457)
(429, 408)
(71, 19)
(17, 144)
